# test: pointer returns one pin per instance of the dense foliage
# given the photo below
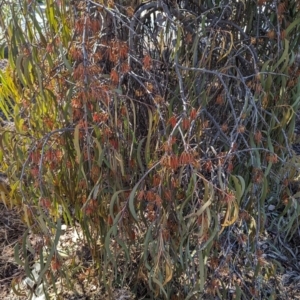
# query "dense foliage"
(164, 128)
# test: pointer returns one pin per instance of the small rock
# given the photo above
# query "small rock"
(271, 207)
(64, 227)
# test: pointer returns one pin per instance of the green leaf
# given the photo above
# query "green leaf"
(114, 198)
(131, 202)
(239, 184)
(19, 67)
(284, 56)
(201, 270)
(17, 255)
(155, 280)
(76, 142)
(292, 26)
(66, 62)
(53, 250)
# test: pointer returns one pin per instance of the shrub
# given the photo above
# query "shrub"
(164, 130)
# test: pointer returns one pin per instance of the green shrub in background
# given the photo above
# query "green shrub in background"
(165, 130)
